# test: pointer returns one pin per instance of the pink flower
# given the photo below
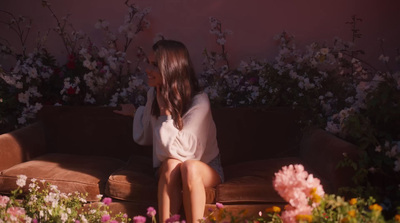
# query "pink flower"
(219, 205)
(16, 212)
(139, 219)
(107, 201)
(151, 212)
(297, 187)
(3, 201)
(114, 221)
(294, 184)
(105, 218)
(173, 218)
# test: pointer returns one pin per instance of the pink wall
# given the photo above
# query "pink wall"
(254, 23)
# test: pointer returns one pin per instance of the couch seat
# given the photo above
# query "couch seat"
(85, 174)
(133, 182)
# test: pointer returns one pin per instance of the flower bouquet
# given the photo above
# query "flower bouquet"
(45, 203)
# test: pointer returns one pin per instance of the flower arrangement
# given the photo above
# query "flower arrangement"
(45, 203)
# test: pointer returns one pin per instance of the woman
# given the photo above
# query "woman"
(177, 121)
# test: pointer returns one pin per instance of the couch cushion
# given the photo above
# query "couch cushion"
(137, 182)
(134, 182)
(85, 174)
(251, 182)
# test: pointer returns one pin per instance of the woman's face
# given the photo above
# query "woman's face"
(154, 78)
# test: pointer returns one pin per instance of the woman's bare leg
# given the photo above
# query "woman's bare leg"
(169, 189)
(196, 176)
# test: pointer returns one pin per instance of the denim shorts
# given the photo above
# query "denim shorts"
(216, 165)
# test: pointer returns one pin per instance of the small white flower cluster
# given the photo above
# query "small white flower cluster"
(392, 151)
(134, 22)
(102, 65)
(384, 58)
(135, 87)
(216, 29)
(105, 65)
(27, 77)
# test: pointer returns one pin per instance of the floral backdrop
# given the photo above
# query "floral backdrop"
(329, 82)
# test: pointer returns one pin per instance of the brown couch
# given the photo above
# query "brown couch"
(90, 149)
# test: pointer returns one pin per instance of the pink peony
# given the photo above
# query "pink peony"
(219, 205)
(139, 219)
(294, 184)
(297, 187)
(3, 201)
(151, 212)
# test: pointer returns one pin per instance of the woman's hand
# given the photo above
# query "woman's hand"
(127, 110)
(161, 103)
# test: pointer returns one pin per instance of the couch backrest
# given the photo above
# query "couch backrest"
(256, 133)
(89, 131)
(243, 133)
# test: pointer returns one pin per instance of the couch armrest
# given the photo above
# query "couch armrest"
(21, 145)
(323, 151)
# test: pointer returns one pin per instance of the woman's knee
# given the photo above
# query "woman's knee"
(170, 168)
(191, 170)
(169, 165)
(197, 172)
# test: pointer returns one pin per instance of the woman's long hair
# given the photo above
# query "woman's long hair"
(179, 81)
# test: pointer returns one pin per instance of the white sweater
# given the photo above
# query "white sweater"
(196, 141)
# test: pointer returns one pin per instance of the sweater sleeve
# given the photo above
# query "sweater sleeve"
(188, 143)
(142, 127)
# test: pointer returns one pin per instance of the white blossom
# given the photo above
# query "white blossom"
(383, 58)
(64, 217)
(221, 41)
(21, 181)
